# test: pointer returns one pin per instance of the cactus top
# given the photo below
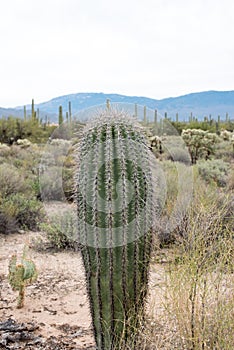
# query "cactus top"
(116, 182)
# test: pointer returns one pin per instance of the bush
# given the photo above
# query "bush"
(8, 224)
(23, 143)
(224, 151)
(199, 276)
(61, 230)
(231, 179)
(178, 154)
(21, 212)
(178, 194)
(57, 171)
(199, 280)
(12, 181)
(51, 184)
(214, 170)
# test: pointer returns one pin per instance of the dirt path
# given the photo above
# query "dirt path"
(57, 302)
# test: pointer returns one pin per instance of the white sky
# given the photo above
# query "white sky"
(153, 48)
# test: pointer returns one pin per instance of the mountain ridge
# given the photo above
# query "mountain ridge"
(200, 104)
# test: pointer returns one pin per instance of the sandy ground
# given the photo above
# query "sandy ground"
(57, 302)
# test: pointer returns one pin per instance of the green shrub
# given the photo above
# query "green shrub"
(61, 230)
(8, 223)
(24, 212)
(214, 171)
(12, 181)
(178, 154)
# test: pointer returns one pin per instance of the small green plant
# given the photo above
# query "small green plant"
(21, 275)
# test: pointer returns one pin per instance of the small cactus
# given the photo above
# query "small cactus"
(21, 275)
(116, 212)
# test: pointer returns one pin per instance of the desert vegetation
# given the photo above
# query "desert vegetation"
(191, 307)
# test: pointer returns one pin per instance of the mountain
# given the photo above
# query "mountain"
(200, 104)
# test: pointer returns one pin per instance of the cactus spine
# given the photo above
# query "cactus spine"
(21, 275)
(116, 206)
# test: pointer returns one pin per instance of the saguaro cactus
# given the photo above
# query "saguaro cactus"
(116, 211)
(60, 117)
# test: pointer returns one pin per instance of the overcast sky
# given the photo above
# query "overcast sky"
(153, 48)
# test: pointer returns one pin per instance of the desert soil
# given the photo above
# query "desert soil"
(56, 311)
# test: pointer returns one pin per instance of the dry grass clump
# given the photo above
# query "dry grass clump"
(197, 293)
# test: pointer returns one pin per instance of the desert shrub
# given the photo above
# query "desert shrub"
(12, 129)
(7, 151)
(68, 183)
(61, 230)
(12, 181)
(183, 203)
(26, 213)
(59, 147)
(8, 223)
(25, 159)
(64, 131)
(226, 135)
(4, 149)
(224, 150)
(198, 303)
(214, 170)
(179, 154)
(57, 171)
(171, 176)
(208, 210)
(23, 143)
(230, 180)
(51, 183)
(198, 291)
(178, 194)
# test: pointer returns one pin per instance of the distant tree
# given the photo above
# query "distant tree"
(200, 143)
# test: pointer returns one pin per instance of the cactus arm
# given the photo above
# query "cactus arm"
(30, 272)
